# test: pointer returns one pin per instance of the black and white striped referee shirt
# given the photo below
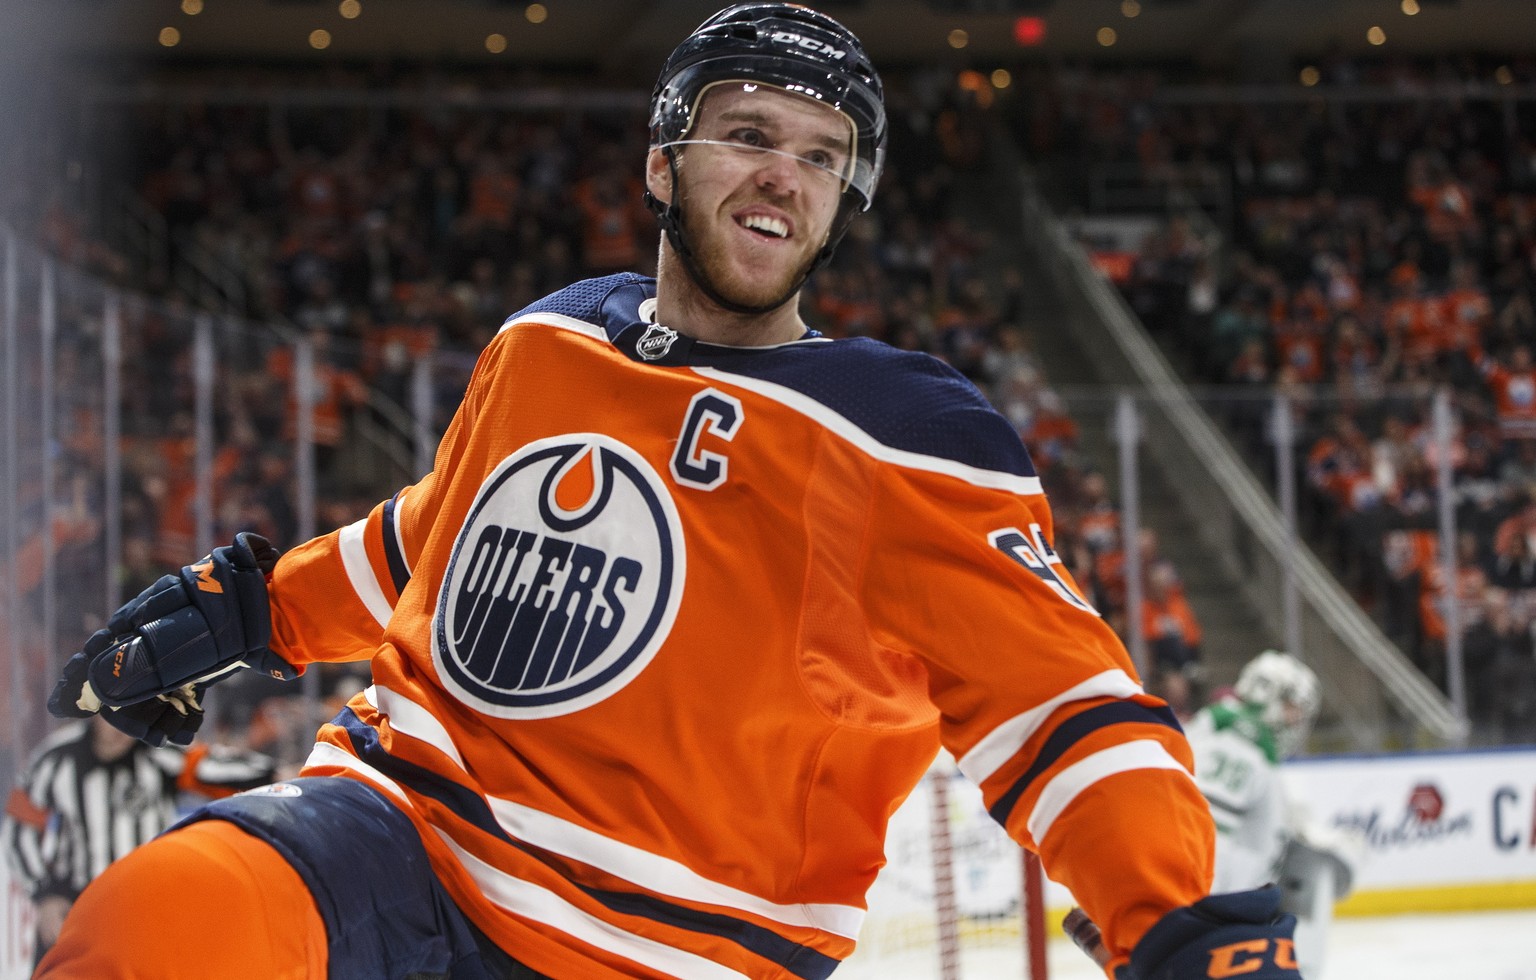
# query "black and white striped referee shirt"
(73, 813)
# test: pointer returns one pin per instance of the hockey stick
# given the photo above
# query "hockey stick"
(1085, 934)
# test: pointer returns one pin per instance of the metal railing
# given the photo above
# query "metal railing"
(137, 435)
(1239, 523)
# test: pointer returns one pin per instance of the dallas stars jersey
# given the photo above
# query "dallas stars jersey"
(671, 629)
(1237, 768)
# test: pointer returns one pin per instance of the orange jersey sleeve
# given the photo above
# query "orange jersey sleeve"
(333, 596)
(1038, 699)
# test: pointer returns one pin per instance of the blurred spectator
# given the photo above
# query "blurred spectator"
(1173, 638)
(1513, 564)
(338, 390)
(1517, 473)
(1514, 391)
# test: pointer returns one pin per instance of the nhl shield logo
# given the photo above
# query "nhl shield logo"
(285, 790)
(564, 581)
(655, 342)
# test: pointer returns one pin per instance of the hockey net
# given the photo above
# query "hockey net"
(957, 897)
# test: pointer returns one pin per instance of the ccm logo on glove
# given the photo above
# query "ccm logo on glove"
(205, 580)
(1250, 956)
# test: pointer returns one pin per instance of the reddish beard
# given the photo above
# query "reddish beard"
(768, 287)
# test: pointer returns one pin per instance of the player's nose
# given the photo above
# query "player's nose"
(778, 172)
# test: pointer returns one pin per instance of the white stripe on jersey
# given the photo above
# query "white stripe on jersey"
(1071, 781)
(95, 793)
(558, 320)
(530, 901)
(1001, 743)
(354, 558)
(157, 818)
(651, 872)
(659, 875)
(326, 754)
(409, 718)
(840, 426)
(805, 405)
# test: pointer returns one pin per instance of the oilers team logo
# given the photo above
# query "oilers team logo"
(564, 580)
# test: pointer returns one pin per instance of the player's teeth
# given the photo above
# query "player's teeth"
(771, 226)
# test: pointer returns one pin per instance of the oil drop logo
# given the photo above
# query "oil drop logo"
(564, 580)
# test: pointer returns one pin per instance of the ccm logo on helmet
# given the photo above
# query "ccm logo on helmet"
(564, 581)
(809, 43)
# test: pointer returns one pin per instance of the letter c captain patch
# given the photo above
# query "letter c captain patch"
(564, 581)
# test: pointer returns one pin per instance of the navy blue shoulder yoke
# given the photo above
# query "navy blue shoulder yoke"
(903, 399)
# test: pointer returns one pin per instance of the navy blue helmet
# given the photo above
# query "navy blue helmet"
(790, 47)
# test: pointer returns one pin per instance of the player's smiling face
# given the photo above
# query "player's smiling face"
(760, 175)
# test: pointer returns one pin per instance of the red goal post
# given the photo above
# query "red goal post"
(957, 897)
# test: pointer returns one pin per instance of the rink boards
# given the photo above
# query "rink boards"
(1434, 831)
(1437, 831)
(1441, 831)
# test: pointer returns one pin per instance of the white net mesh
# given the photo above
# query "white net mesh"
(951, 900)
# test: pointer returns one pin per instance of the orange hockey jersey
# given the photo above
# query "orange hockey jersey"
(671, 629)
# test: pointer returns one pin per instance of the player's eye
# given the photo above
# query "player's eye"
(823, 159)
(749, 137)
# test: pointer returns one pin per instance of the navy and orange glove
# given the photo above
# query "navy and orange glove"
(157, 654)
(1238, 934)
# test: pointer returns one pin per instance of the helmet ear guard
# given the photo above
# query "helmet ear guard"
(789, 47)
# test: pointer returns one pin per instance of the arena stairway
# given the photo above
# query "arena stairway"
(1233, 631)
(1213, 520)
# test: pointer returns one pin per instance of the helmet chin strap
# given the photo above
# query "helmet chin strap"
(670, 217)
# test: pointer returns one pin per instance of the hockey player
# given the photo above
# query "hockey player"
(689, 601)
(1239, 742)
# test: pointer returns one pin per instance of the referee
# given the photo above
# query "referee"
(91, 794)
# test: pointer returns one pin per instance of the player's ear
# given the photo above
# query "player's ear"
(658, 175)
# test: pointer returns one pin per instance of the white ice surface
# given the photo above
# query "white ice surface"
(1471, 946)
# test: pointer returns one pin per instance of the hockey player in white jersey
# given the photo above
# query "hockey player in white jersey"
(1239, 742)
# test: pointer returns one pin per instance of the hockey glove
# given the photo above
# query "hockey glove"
(157, 653)
(1235, 934)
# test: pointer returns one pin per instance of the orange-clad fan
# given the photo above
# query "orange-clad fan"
(1173, 636)
(336, 390)
(1513, 386)
(688, 603)
(609, 226)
